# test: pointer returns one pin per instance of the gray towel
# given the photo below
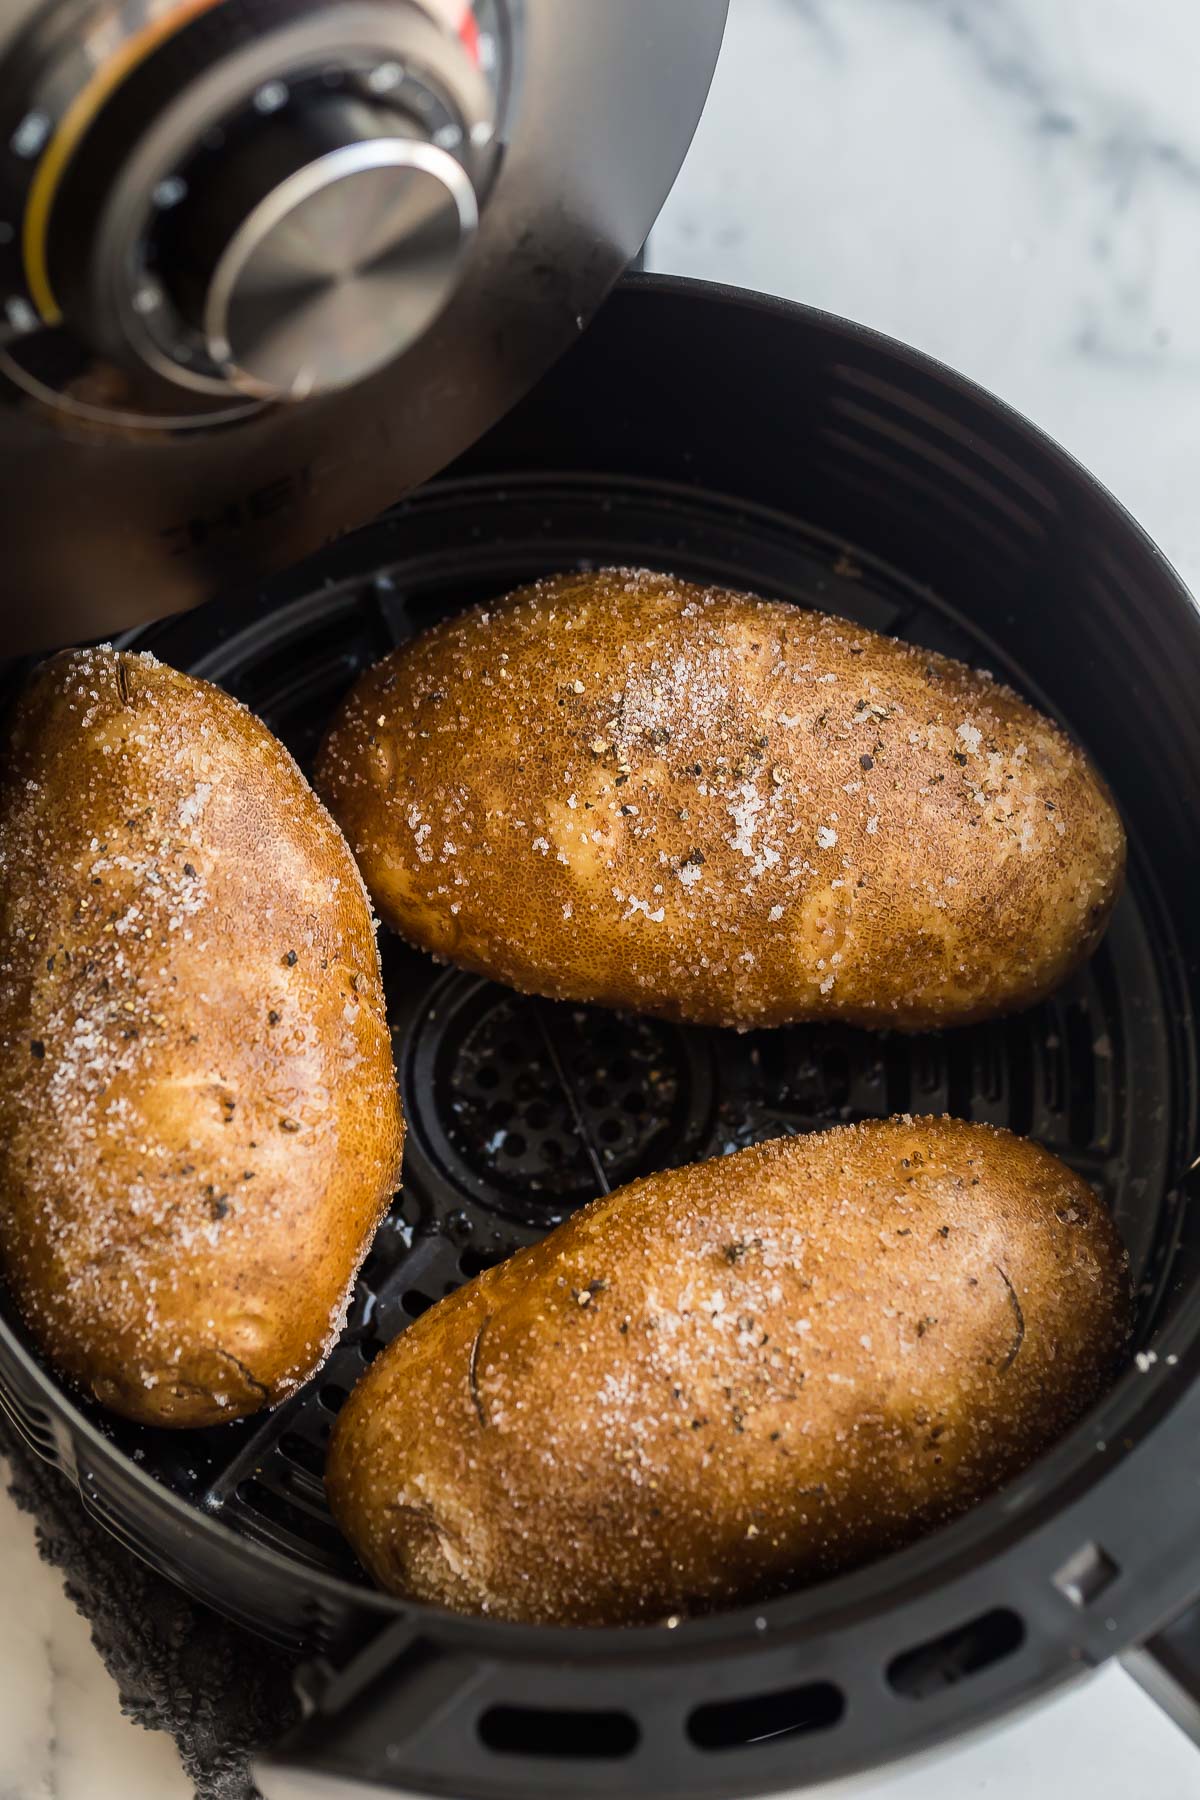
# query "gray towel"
(179, 1667)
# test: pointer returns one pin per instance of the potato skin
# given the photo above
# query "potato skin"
(199, 1123)
(735, 1377)
(627, 789)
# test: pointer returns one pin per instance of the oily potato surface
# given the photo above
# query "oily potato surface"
(733, 1377)
(199, 1124)
(624, 788)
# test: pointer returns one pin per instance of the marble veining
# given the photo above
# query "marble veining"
(1011, 185)
(62, 1734)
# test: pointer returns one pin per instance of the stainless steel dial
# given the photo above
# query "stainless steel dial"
(340, 267)
(253, 199)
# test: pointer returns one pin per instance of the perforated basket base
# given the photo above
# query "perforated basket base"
(521, 1110)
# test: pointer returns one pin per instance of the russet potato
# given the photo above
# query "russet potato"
(199, 1123)
(731, 1378)
(624, 788)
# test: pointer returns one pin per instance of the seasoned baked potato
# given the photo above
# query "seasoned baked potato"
(735, 1377)
(627, 789)
(199, 1123)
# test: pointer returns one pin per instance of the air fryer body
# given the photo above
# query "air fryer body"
(183, 461)
(197, 436)
(741, 440)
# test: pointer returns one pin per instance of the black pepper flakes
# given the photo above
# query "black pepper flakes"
(272, 1018)
(289, 1125)
(866, 762)
(190, 871)
(291, 959)
(37, 1049)
(585, 1295)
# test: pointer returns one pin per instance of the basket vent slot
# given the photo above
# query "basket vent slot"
(551, 1732)
(943, 1662)
(753, 1719)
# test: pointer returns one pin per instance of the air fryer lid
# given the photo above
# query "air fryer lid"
(120, 504)
(740, 440)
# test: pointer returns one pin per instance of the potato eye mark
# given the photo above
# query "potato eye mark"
(473, 1374)
(1019, 1318)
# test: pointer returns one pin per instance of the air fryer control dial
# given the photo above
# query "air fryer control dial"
(318, 245)
(160, 161)
(255, 199)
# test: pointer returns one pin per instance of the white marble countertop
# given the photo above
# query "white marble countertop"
(1010, 185)
(1013, 185)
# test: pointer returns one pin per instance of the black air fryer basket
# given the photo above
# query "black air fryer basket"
(737, 440)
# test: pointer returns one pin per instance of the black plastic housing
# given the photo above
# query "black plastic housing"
(736, 439)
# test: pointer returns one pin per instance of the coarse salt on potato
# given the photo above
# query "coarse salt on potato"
(199, 1122)
(725, 1380)
(625, 788)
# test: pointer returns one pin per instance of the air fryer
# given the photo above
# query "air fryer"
(735, 439)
